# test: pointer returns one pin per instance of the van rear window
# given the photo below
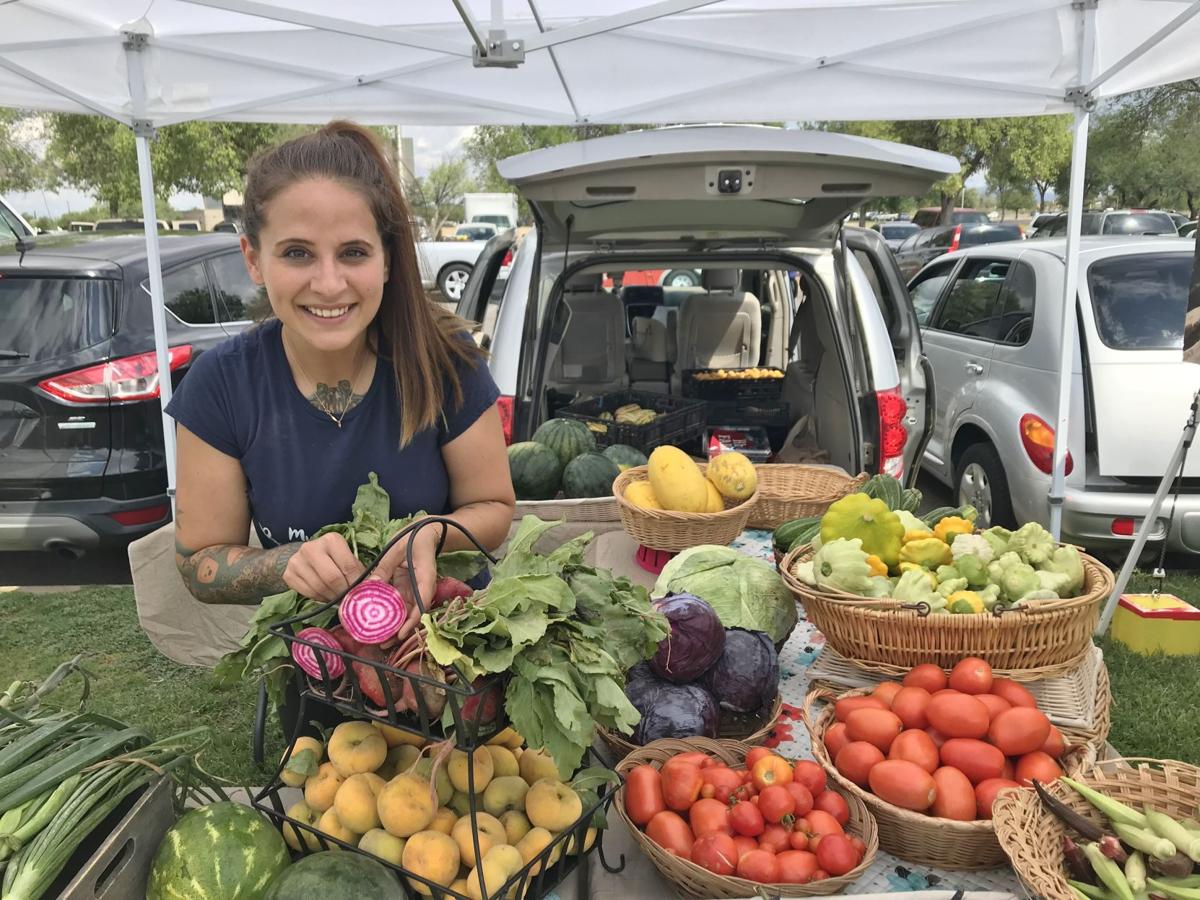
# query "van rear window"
(1140, 301)
(41, 318)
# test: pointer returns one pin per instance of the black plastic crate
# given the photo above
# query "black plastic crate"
(732, 390)
(680, 419)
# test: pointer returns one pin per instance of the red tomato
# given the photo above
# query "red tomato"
(917, 747)
(771, 770)
(798, 840)
(859, 845)
(856, 760)
(707, 791)
(1019, 730)
(1036, 766)
(717, 853)
(985, 794)
(1009, 771)
(835, 739)
(910, 705)
(1056, 744)
(847, 705)
(972, 675)
(671, 832)
(709, 817)
(775, 802)
(937, 737)
(756, 754)
(796, 866)
(776, 837)
(746, 819)
(978, 760)
(744, 844)
(927, 676)
(643, 794)
(809, 774)
(760, 866)
(956, 716)
(681, 785)
(836, 855)
(904, 784)
(875, 726)
(886, 690)
(834, 804)
(720, 776)
(994, 704)
(1016, 694)
(803, 797)
(955, 795)
(694, 756)
(821, 822)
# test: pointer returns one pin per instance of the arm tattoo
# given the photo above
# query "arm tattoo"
(228, 573)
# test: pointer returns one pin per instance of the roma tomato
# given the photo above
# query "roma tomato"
(835, 739)
(994, 704)
(809, 774)
(1019, 730)
(856, 760)
(672, 833)
(1056, 744)
(760, 866)
(886, 690)
(821, 822)
(709, 817)
(956, 716)
(717, 853)
(694, 757)
(746, 819)
(910, 704)
(978, 760)
(985, 794)
(643, 794)
(875, 726)
(971, 675)
(927, 676)
(955, 795)
(796, 866)
(917, 747)
(1036, 766)
(847, 705)
(681, 785)
(904, 784)
(776, 802)
(756, 754)
(802, 795)
(937, 737)
(836, 855)
(834, 804)
(720, 776)
(771, 770)
(744, 844)
(775, 837)
(1015, 694)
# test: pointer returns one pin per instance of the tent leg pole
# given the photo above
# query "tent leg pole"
(157, 306)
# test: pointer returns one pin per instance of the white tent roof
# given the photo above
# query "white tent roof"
(589, 60)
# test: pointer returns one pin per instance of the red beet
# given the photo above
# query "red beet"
(368, 677)
(484, 707)
(347, 643)
(447, 589)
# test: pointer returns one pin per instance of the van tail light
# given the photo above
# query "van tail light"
(507, 261)
(1122, 527)
(1037, 438)
(954, 240)
(119, 380)
(505, 404)
(144, 516)
(892, 434)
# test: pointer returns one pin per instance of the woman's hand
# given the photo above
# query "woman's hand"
(323, 568)
(393, 568)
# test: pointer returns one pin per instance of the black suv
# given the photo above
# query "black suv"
(81, 447)
(930, 243)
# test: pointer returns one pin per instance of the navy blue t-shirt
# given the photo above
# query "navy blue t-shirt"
(302, 470)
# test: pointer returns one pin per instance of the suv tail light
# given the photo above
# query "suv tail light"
(1037, 438)
(892, 434)
(954, 240)
(121, 380)
(505, 404)
(508, 257)
(144, 516)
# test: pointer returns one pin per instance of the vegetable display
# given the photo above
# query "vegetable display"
(675, 482)
(695, 640)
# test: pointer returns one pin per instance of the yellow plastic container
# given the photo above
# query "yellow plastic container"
(1152, 623)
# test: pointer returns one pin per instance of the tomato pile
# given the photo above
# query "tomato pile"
(770, 821)
(942, 745)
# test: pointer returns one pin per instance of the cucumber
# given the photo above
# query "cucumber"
(910, 500)
(786, 533)
(934, 516)
(806, 536)
(885, 488)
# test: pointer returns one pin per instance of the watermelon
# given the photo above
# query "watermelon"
(535, 470)
(336, 875)
(223, 850)
(625, 457)
(589, 475)
(566, 437)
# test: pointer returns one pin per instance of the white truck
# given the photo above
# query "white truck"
(496, 209)
(447, 265)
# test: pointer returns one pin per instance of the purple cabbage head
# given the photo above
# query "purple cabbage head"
(696, 640)
(678, 710)
(746, 678)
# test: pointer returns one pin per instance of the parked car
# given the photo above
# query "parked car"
(1038, 222)
(229, 226)
(447, 265)
(852, 359)
(931, 243)
(895, 233)
(128, 225)
(81, 226)
(474, 231)
(1187, 230)
(1113, 221)
(13, 224)
(992, 336)
(1179, 219)
(962, 215)
(80, 423)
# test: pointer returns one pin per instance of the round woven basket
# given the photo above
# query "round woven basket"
(1051, 636)
(622, 746)
(693, 881)
(1032, 837)
(913, 836)
(662, 529)
(787, 491)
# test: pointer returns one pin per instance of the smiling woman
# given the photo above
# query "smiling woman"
(355, 371)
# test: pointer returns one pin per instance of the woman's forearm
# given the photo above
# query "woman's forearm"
(488, 520)
(229, 573)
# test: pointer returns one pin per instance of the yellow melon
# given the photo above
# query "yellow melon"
(641, 494)
(677, 481)
(734, 475)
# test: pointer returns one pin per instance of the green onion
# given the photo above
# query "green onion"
(87, 752)
(1114, 809)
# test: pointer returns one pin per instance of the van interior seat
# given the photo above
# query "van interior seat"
(721, 328)
(591, 354)
(653, 349)
(814, 385)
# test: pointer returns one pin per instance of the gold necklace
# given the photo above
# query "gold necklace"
(324, 406)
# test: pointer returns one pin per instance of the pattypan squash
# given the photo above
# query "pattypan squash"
(842, 565)
(859, 517)
(1032, 543)
(964, 602)
(914, 587)
(915, 567)
(949, 527)
(877, 565)
(928, 552)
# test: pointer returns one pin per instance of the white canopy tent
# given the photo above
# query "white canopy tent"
(150, 63)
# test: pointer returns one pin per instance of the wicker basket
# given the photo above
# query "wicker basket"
(622, 747)
(1032, 837)
(787, 492)
(592, 509)
(662, 529)
(690, 879)
(913, 836)
(1052, 636)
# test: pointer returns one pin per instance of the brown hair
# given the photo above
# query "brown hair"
(423, 341)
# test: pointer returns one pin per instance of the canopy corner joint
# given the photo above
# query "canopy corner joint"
(1080, 5)
(498, 52)
(1080, 97)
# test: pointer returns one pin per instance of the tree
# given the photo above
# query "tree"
(1034, 151)
(20, 169)
(438, 196)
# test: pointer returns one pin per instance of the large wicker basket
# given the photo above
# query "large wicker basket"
(787, 491)
(662, 529)
(1032, 837)
(693, 881)
(622, 746)
(590, 509)
(913, 836)
(1051, 636)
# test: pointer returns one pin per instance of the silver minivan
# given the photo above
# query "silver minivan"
(757, 212)
(990, 319)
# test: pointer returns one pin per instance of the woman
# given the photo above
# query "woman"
(356, 372)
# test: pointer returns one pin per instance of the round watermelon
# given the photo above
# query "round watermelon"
(566, 437)
(224, 850)
(625, 457)
(336, 875)
(535, 470)
(589, 475)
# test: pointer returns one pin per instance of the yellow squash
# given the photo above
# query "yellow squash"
(641, 494)
(716, 503)
(734, 475)
(677, 481)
